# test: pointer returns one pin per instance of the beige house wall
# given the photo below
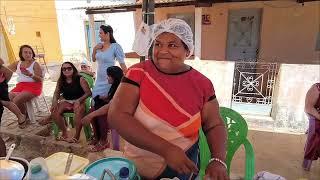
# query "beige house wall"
(287, 34)
(288, 30)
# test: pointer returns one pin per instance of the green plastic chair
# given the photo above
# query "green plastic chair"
(237, 129)
(88, 78)
(69, 116)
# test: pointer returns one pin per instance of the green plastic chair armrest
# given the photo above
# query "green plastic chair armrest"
(205, 154)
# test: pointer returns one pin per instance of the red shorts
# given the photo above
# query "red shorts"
(32, 87)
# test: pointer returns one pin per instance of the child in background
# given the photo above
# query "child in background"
(86, 68)
(5, 75)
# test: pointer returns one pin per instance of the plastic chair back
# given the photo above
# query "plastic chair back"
(88, 78)
(237, 135)
(237, 131)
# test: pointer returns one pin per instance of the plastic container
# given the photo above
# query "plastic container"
(56, 164)
(124, 174)
(37, 173)
(75, 177)
(114, 165)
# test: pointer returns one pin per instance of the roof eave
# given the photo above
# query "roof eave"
(133, 7)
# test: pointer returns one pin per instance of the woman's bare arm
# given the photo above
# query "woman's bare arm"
(13, 66)
(215, 129)
(100, 112)
(86, 89)
(216, 134)
(37, 76)
(10, 69)
(123, 67)
(6, 71)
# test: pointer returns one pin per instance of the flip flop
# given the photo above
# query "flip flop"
(93, 142)
(99, 147)
(73, 140)
(61, 138)
(44, 121)
(23, 124)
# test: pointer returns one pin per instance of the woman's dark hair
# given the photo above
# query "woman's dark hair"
(62, 79)
(108, 29)
(116, 73)
(26, 46)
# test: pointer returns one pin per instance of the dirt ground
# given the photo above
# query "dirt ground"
(278, 153)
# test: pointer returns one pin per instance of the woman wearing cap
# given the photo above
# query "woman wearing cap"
(161, 105)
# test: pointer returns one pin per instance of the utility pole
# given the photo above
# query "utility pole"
(148, 18)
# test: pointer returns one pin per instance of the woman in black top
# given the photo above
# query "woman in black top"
(70, 95)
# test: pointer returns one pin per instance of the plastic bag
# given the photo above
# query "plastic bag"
(264, 175)
(143, 40)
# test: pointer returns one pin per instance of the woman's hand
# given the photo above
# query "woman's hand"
(98, 46)
(26, 72)
(176, 159)
(103, 98)
(76, 104)
(86, 120)
(215, 171)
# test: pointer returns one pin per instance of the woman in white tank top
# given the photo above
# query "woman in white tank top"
(29, 78)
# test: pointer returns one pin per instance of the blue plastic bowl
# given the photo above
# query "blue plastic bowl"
(96, 168)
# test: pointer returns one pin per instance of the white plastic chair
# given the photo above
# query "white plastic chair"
(29, 104)
(30, 109)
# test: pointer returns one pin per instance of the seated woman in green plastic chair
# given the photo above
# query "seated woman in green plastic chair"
(70, 95)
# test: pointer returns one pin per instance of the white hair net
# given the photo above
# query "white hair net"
(147, 34)
(85, 62)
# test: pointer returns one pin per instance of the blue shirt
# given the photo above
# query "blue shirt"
(106, 59)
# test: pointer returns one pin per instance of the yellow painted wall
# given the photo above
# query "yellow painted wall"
(288, 30)
(30, 16)
(6, 52)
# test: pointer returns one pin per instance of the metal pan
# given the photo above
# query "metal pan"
(12, 168)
